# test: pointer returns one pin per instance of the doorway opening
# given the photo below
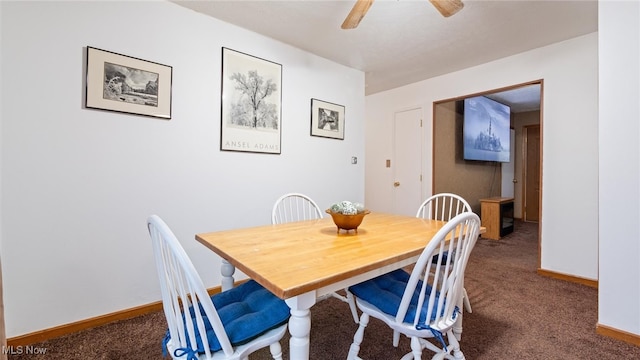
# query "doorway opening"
(451, 173)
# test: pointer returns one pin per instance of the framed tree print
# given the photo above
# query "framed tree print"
(251, 103)
(327, 119)
(121, 83)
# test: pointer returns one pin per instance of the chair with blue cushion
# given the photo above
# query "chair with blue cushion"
(228, 325)
(425, 304)
(445, 206)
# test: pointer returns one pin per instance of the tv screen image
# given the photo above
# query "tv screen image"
(486, 130)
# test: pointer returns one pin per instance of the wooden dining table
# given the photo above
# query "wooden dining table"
(305, 260)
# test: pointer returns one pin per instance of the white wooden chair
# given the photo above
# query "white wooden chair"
(445, 206)
(423, 310)
(298, 207)
(442, 206)
(228, 325)
(294, 207)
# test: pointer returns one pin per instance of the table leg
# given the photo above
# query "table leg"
(227, 270)
(300, 325)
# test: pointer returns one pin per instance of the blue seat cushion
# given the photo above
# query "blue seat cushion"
(443, 257)
(385, 292)
(246, 312)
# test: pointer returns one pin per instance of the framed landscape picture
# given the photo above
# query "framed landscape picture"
(251, 103)
(327, 119)
(121, 83)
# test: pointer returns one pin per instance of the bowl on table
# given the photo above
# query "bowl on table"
(347, 222)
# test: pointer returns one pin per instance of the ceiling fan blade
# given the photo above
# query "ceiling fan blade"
(356, 14)
(447, 7)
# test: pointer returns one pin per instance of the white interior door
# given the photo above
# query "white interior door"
(508, 169)
(407, 162)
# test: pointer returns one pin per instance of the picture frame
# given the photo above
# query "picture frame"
(121, 83)
(327, 119)
(251, 106)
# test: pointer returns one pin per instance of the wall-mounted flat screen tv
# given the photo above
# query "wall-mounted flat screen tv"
(486, 130)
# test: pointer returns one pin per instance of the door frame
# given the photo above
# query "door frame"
(507, 88)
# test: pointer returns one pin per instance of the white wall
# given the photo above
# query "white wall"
(78, 184)
(3, 339)
(619, 143)
(570, 137)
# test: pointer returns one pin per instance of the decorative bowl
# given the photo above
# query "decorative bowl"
(347, 222)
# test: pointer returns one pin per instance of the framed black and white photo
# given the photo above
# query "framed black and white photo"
(121, 83)
(251, 103)
(327, 119)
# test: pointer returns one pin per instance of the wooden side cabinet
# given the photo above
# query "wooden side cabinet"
(496, 214)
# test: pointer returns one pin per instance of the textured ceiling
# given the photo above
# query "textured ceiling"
(404, 41)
